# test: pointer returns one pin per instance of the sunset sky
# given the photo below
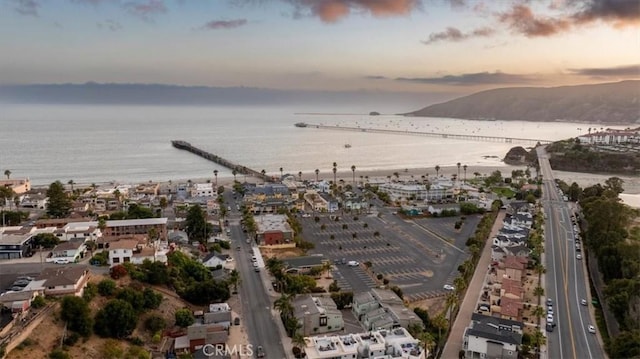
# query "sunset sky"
(386, 45)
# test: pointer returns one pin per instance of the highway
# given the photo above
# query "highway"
(256, 303)
(566, 277)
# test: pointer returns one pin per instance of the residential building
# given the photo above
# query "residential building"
(316, 315)
(268, 197)
(611, 137)
(382, 309)
(200, 334)
(78, 230)
(273, 229)
(137, 226)
(59, 281)
(492, 338)
(214, 259)
(380, 344)
(151, 254)
(18, 302)
(121, 251)
(514, 267)
(38, 200)
(70, 250)
(13, 246)
(320, 201)
(204, 190)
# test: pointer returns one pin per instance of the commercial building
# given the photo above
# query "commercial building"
(316, 315)
(273, 229)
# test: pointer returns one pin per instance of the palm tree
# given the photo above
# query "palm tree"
(284, 306)
(7, 173)
(71, 183)
(353, 170)
(300, 175)
(465, 173)
(451, 303)
(476, 174)
(234, 279)
(298, 341)
(427, 341)
(234, 173)
(281, 173)
(437, 170)
(538, 312)
(163, 205)
(263, 172)
(334, 175)
(458, 164)
(317, 173)
(215, 173)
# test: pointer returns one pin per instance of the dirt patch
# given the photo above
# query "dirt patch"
(47, 336)
(433, 306)
(281, 253)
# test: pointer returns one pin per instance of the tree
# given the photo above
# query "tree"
(117, 319)
(300, 175)
(38, 302)
(71, 183)
(184, 317)
(458, 164)
(75, 312)
(234, 279)
(7, 173)
(58, 353)
(59, 204)
(163, 204)
(215, 174)
(298, 341)
(45, 240)
(106, 287)
(155, 323)
(334, 174)
(198, 229)
(118, 271)
(437, 170)
(464, 168)
(317, 171)
(234, 173)
(281, 172)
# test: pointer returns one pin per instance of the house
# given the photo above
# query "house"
(59, 281)
(320, 201)
(316, 315)
(514, 267)
(136, 226)
(71, 251)
(382, 308)
(121, 251)
(303, 264)
(273, 229)
(200, 334)
(510, 308)
(213, 259)
(491, 337)
(204, 190)
(395, 343)
(149, 254)
(78, 230)
(18, 302)
(221, 318)
(14, 246)
(38, 201)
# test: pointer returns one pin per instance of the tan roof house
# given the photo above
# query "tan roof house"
(68, 280)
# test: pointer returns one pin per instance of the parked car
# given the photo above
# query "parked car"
(21, 283)
(592, 329)
(550, 310)
(578, 256)
(24, 277)
(61, 261)
(549, 318)
(549, 301)
(449, 287)
(16, 288)
(353, 264)
(583, 302)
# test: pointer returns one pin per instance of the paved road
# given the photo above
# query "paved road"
(256, 303)
(566, 278)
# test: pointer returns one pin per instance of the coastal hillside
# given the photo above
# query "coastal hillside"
(608, 103)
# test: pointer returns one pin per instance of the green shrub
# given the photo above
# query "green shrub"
(106, 287)
(59, 354)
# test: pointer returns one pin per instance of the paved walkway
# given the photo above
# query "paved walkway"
(454, 342)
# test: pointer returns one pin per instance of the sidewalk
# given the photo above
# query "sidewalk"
(455, 339)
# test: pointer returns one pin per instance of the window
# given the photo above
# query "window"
(116, 260)
(323, 321)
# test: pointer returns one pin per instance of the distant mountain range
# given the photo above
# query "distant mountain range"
(608, 103)
(154, 94)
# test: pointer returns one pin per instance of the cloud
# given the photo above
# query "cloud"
(617, 12)
(480, 78)
(145, 9)
(453, 34)
(26, 7)
(522, 20)
(110, 25)
(627, 71)
(574, 13)
(375, 77)
(225, 24)
(331, 11)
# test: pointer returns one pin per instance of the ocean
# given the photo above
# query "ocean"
(97, 144)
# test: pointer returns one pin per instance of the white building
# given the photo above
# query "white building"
(611, 137)
(492, 337)
(204, 190)
(379, 344)
(121, 251)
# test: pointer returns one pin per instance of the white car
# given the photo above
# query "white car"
(550, 310)
(550, 318)
(578, 256)
(61, 261)
(449, 287)
(583, 302)
(592, 329)
(353, 263)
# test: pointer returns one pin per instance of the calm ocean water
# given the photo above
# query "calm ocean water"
(132, 143)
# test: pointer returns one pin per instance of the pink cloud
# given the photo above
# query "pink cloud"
(225, 24)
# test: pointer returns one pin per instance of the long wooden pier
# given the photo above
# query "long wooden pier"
(453, 136)
(183, 145)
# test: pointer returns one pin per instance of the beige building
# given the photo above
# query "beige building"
(19, 185)
(317, 315)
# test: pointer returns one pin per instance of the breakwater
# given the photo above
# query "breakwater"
(234, 167)
(453, 136)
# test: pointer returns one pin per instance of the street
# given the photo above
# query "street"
(566, 277)
(256, 303)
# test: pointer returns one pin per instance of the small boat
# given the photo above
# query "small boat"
(346, 145)
(301, 124)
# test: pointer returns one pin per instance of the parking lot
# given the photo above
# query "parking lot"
(419, 256)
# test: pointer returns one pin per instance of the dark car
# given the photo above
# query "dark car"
(259, 352)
